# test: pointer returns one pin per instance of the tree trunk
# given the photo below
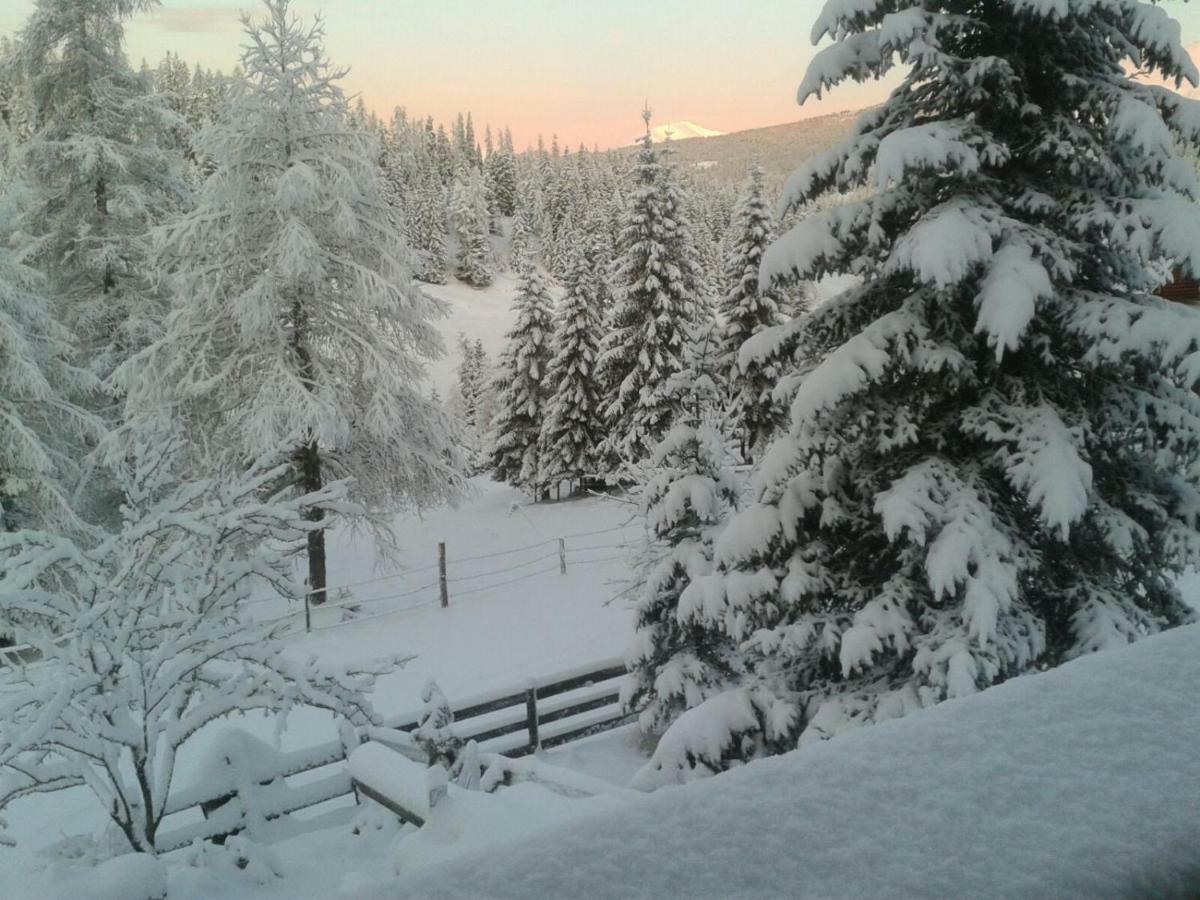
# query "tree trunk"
(310, 480)
(308, 460)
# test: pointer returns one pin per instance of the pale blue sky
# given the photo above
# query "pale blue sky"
(581, 68)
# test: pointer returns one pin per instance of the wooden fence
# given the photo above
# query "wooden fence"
(512, 721)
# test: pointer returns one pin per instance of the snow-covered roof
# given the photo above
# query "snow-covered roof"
(1080, 782)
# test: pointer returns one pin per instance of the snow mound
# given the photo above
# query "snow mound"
(470, 821)
(135, 876)
(1074, 783)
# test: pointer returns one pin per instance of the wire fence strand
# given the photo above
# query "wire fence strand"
(529, 562)
(488, 587)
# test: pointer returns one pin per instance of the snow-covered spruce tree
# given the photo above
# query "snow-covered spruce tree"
(745, 311)
(144, 640)
(298, 319)
(425, 225)
(677, 659)
(469, 398)
(524, 234)
(522, 385)
(485, 389)
(99, 171)
(994, 466)
(42, 432)
(501, 171)
(468, 379)
(469, 217)
(656, 300)
(573, 427)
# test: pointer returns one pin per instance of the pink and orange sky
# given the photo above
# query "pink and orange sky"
(581, 69)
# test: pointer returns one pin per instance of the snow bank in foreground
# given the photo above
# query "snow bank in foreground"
(1081, 782)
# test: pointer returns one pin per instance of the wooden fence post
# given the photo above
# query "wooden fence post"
(307, 612)
(532, 716)
(442, 574)
(562, 556)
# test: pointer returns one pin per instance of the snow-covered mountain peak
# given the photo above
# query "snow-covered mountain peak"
(679, 131)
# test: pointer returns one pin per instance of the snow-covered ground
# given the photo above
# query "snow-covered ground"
(476, 313)
(1079, 782)
(511, 617)
(1088, 760)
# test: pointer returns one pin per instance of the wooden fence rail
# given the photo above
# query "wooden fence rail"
(512, 721)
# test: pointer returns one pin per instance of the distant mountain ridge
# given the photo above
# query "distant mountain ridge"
(779, 149)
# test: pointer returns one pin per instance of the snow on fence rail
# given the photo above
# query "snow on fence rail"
(245, 782)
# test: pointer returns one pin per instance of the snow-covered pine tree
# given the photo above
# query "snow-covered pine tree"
(522, 385)
(469, 217)
(485, 390)
(524, 234)
(298, 319)
(656, 301)
(994, 466)
(466, 401)
(145, 637)
(501, 172)
(98, 172)
(679, 659)
(600, 251)
(468, 378)
(425, 226)
(471, 147)
(573, 427)
(746, 309)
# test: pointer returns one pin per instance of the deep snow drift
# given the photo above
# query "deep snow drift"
(1080, 782)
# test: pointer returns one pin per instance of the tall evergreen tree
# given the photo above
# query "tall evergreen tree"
(522, 385)
(98, 172)
(655, 304)
(468, 213)
(469, 373)
(42, 430)
(678, 659)
(993, 468)
(573, 427)
(426, 227)
(746, 310)
(502, 176)
(307, 326)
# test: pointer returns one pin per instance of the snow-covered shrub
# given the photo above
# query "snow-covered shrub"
(143, 636)
(721, 733)
(239, 859)
(132, 876)
(435, 735)
(993, 466)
